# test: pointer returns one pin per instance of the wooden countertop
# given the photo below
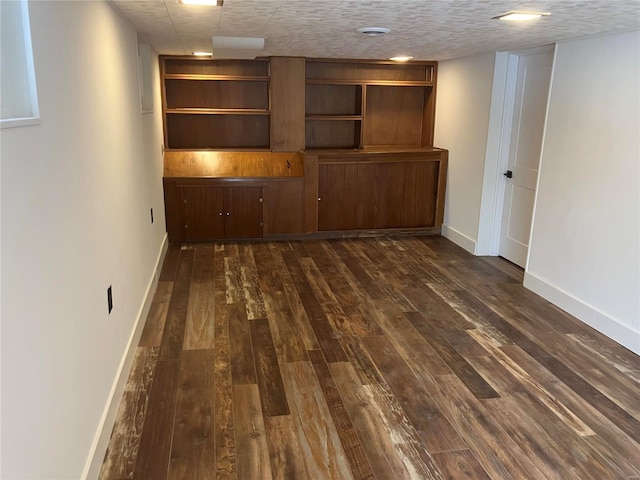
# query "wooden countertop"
(373, 151)
(216, 164)
(266, 164)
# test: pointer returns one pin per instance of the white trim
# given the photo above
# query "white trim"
(505, 147)
(605, 324)
(505, 78)
(491, 179)
(541, 161)
(19, 122)
(34, 118)
(101, 440)
(468, 243)
(31, 69)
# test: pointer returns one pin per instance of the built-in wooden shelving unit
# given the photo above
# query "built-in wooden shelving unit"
(368, 104)
(215, 104)
(287, 146)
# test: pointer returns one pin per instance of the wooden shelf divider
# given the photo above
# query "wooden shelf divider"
(231, 78)
(218, 111)
(333, 117)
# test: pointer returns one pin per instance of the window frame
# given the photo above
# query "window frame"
(34, 119)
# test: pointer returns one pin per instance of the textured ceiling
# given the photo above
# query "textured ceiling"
(425, 29)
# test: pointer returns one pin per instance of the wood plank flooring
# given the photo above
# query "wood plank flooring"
(376, 358)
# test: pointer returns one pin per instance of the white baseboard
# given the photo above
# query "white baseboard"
(612, 328)
(459, 239)
(101, 440)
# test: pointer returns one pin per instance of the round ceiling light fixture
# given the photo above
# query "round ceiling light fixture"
(373, 31)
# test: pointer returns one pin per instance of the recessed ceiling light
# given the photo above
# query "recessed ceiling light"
(373, 31)
(202, 54)
(521, 16)
(401, 58)
(211, 3)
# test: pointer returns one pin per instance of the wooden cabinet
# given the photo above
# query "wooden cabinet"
(205, 211)
(218, 195)
(202, 214)
(384, 190)
(243, 212)
(211, 104)
(287, 146)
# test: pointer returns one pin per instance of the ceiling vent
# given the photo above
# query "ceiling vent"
(237, 47)
(373, 31)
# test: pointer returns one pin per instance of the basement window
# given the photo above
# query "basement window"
(18, 96)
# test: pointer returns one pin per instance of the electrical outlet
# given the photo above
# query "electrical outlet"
(152, 215)
(109, 299)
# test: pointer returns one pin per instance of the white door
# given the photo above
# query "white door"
(521, 175)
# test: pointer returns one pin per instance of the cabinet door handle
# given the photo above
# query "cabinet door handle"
(228, 214)
(261, 200)
(220, 214)
(319, 199)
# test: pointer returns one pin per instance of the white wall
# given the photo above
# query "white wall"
(75, 197)
(584, 252)
(462, 122)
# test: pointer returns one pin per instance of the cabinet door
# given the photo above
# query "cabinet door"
(349, 196)
(377, 195)
(243, 212)
(411, 189)
(284, 207)
(203, 213)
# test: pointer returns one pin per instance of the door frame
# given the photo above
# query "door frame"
(505, 77)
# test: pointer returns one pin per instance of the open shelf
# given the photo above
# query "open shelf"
(216, 104)
(193, 66)
(369, 104)
(333, 99)
(203, 131)
(312, 103)
(218, 94)
(366, 72)
(404, 105)
(332, 133)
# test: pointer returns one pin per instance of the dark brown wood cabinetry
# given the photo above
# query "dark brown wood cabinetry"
(363, 195)
(365, 191)
(215, 104)
(355, 105)
(232, 195)
(285, 147)
(204, 210)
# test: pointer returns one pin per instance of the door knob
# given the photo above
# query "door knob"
(508, 174)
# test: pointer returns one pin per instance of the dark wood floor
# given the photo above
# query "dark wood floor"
(369, 358)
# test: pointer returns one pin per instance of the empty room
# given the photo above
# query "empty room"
(320, 239)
